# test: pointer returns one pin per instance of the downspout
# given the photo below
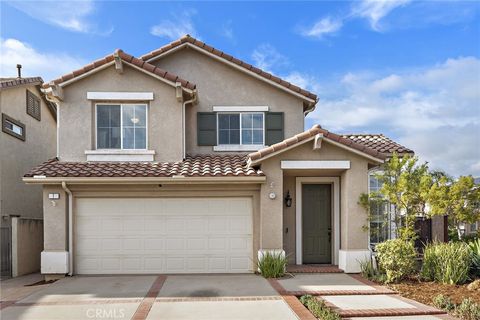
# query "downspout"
(70, 228)
(184, 143)
(55, 101)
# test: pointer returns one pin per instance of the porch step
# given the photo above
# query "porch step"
(313, 268)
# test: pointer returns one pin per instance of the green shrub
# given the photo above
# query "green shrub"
(447, 262)
(318, 308)
(468, 310)
(397, 258)
(429, 266)
(443, 302)
(475, 247)
(272, 264)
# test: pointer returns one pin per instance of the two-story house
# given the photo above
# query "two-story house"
(28, 137)
(189, 160)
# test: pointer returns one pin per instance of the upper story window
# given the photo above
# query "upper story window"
(241, 129)
(33, 105)
(13, 127)
(121, 126)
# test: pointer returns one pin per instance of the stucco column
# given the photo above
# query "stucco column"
(354, 238)
(55, 215)
(271, 232)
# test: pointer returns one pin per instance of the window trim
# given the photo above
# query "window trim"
(240, 146)
(15, 122)
(121, 125)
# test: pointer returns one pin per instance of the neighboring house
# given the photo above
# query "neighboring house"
(188, 160)
(28, 137)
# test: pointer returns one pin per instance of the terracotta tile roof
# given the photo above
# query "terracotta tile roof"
(6, 83)
(316, 129)
(188, 39)
(127, 58)
(192, 166)
(378, 142)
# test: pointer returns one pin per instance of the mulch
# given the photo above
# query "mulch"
(424, 292)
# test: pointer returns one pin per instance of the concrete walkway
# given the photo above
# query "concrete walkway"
(356, 298)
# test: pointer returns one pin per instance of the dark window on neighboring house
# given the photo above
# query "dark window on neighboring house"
(33, 105)
(13, 127)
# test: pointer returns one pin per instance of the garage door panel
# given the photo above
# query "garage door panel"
(171, 235)
(196, 225)
(174, 244)
(217, 264)
(240, 225)
(155, 245)
(239, 263)
(87, 225)
(217, 225)
(155, 224)
(154, 264)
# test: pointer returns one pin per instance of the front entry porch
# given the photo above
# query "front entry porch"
(323, 223)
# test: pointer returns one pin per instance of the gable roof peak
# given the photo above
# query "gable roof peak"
(266, 76)
(138, 63)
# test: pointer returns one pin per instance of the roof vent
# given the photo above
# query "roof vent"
(19, 71)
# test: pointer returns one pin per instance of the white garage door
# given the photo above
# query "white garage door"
(174, 235)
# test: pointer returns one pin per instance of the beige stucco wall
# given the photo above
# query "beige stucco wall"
(276, 218)
(221, 85)
(27, 244)
(17, 156)
(77, 114)
(55, 219)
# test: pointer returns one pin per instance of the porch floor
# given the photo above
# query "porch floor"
(313, 268)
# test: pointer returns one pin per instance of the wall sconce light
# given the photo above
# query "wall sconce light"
(288, 200)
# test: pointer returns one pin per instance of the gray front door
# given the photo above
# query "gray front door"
(316, 223)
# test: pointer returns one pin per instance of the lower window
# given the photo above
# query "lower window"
(121, 126)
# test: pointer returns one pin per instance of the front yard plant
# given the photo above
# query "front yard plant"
(397, 257)
(318, 308)
(370, 272)
(272, 264)
(475, 247)
(447, 263)
(466, 310)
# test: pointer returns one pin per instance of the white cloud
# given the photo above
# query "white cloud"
(227, 30)
(323, 27)
(375, 10)
(304, 81)
(434, 110)
(266, 57)
(34, 63)
(176, 27)
(70, 15)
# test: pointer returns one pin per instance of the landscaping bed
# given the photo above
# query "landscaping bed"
(425, 292)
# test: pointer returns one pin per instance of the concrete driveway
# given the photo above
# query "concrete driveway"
(150, 297)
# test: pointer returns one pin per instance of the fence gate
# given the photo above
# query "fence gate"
(6, 251)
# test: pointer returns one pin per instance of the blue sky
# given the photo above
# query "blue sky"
(408, 69)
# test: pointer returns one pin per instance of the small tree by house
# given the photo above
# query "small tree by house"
(405, 186)
(459, 199)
